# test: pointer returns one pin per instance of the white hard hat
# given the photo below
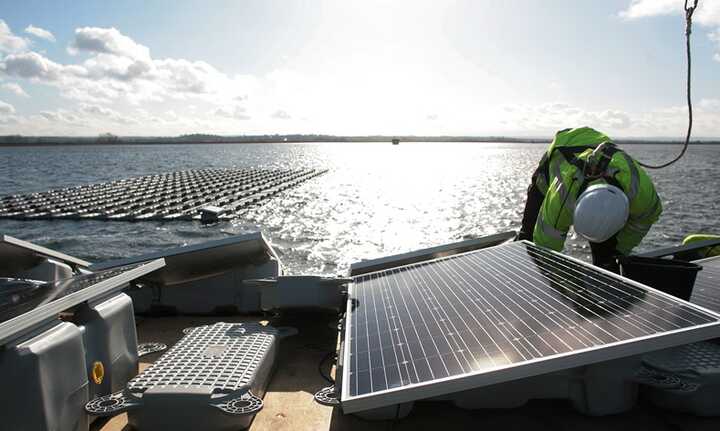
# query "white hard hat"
(601, 211)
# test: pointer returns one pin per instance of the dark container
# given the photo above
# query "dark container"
(674, 277)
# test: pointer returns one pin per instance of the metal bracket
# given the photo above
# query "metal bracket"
(301, 292)
(272, 282)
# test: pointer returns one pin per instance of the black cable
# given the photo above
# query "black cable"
(688, 29)
(567, 194)
(326, 377)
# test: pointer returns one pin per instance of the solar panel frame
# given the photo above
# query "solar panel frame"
(374, 265)
(14, 327)
(17, 253)
(528, 368)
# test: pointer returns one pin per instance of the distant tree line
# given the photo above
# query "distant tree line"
(200, 138)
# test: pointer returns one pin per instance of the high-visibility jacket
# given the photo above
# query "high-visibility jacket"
(560, 178)
(711, 251)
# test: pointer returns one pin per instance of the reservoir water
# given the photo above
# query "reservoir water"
(377, 198)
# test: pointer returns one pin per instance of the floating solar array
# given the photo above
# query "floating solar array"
(498, 314)
(706, 291)
(173, 196)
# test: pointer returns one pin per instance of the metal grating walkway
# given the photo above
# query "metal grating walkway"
(223, 356)
(172, 196)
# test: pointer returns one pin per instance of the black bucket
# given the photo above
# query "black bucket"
(674, 277)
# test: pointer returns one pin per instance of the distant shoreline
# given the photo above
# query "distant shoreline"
(111, 140)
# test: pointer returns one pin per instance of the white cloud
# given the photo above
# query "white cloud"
(236, 112)
(281, 115)
(9, 42)
(50, 116)
(616, 119)
(126, 69)
(108, 41)
(40, 32)
(645, 8)
(710, 105)
(6, 108)
(63, 117)
(106, 113)
(715, 37)
(118, 68)
(8, 120)
(31, 65)
(545, 119)
(118, 87)
(15, 89)
(97, 110)
(707, 14)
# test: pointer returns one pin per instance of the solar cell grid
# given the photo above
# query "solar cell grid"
(491, 309)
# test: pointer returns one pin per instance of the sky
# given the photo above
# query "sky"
(422, 67)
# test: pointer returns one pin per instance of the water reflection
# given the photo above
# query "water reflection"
(377, 199)
(590, 293)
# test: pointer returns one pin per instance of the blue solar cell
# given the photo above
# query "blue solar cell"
(495, 314)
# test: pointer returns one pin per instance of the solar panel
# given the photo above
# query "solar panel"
(24, 306)
(497, 314)
(18, 255)
(706, 291)
(374, 265)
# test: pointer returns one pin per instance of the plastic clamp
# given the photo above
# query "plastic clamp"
(327, 397)
(247, 404)
(189, 329)
(657, 379)
(112, 404)
(148, 348)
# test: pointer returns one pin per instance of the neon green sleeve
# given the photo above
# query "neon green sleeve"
(554, 219)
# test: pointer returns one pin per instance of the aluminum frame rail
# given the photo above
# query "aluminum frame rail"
(89, 287)
(16, 253)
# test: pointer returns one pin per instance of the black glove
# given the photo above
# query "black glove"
(609, 265)
(522, 236)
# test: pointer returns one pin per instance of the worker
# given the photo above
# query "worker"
(584, 180)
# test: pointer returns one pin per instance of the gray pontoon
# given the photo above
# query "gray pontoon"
(480, 333)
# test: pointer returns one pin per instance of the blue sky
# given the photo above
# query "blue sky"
(355, 67)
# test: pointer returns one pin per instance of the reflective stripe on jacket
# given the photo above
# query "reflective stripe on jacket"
(564, 181)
